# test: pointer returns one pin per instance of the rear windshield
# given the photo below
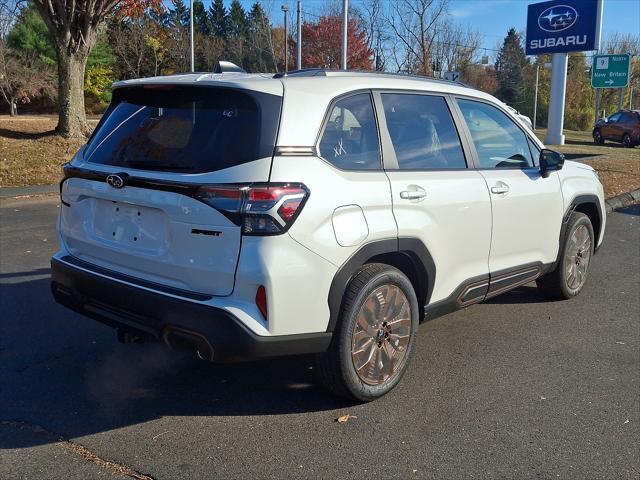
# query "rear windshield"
(186, 129)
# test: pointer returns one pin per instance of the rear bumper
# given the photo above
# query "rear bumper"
(215, 333)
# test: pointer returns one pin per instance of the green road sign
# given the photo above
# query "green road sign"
(610, 71)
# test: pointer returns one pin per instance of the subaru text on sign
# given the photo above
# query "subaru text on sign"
(562, 26)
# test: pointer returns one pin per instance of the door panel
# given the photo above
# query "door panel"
(527, 216)
(435, 197)
(453, 220)
(527, 209)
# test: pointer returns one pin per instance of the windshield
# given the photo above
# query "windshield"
(187, 129)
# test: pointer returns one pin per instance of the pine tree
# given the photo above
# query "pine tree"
(200, 18)
(179, 14)
(237, 20)
(218, 21)
(509, 65)
(259, 57)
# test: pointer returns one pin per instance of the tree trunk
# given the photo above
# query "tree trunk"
(72, 121)
(13, 107)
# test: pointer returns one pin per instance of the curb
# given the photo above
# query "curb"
(622, 200)
(11, 192)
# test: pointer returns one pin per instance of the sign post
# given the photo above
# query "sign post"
(559, 27)
(610, 71)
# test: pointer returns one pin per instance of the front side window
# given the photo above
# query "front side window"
(350, 137)
(422, 132)
(498, 141)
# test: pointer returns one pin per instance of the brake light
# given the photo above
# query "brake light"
(260, 209)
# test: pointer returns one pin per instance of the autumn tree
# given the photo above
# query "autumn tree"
(322, 45)
(73, 28)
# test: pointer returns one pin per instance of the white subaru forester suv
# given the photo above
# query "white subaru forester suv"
(324, 212)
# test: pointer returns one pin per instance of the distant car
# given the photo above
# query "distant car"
(623, 126)
(523, 118)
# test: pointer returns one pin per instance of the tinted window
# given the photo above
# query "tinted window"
(191, 129)
(614, 118)
(350, 137)
(422, 132)
(498, 141)
(629, 118)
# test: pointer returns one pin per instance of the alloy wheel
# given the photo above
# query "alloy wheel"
(381, 335)
(577, 257)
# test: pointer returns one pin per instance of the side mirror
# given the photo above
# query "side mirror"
(550, 161)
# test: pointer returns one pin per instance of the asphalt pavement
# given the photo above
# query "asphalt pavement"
(517, 387)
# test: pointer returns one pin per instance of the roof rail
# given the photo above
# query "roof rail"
(326, 72)
(223, 67)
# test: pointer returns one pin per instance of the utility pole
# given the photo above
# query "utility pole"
(345, 18)
(193, 68)
(535, 97)
(299, 45)
(285, 10)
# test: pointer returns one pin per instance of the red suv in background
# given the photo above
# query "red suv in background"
(623, 126)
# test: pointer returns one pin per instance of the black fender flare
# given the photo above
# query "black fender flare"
(586, 199)
(411, 246)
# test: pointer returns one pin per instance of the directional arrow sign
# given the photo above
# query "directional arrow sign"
(610, 71)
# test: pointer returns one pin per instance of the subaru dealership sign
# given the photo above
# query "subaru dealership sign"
(562, 26)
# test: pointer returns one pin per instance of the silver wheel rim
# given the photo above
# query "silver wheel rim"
(381, 335)
(577, 257)
(597, 137)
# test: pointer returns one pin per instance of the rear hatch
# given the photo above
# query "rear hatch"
(130, 197)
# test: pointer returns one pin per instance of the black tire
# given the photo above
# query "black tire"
(598, 139)
(335, 368)
(557, 284)
(626, 141)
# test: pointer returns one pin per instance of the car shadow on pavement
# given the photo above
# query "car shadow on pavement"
(524, 294)
(69, 375)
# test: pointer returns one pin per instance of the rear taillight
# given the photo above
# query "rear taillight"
(260, 209)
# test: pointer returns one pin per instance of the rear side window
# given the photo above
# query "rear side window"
(422, 131)
(350, 137)
(186, 129)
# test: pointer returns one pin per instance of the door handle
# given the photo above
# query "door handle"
(413, 192)
(500, 188)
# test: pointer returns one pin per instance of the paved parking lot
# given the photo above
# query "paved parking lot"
(518, 387)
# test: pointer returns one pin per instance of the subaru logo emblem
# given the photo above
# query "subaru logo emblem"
(115, 181)
(557, 18)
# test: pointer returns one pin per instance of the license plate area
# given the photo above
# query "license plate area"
(130, 226)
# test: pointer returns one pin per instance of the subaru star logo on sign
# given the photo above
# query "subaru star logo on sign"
(558, 18)
(561, 26)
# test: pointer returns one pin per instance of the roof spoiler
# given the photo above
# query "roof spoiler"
(224, 67)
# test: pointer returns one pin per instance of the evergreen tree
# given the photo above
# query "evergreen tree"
(179, 14)
(260, 55)
(237, 20)
(200, 18)
(218, 21)
(509, 65)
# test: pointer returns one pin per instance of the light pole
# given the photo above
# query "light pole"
(345, 15)
(535, 97)
(299, 45)
(285, 10)
(193, 68)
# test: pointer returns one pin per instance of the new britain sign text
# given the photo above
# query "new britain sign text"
(561, 26)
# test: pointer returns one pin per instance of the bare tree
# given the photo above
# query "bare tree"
(377, 36)
(415, 24)
(73, 27)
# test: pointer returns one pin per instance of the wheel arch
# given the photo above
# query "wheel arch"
(407, 254)
(590, 206)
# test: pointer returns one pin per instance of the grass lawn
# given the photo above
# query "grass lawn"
(618, 167)
(31, 155)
